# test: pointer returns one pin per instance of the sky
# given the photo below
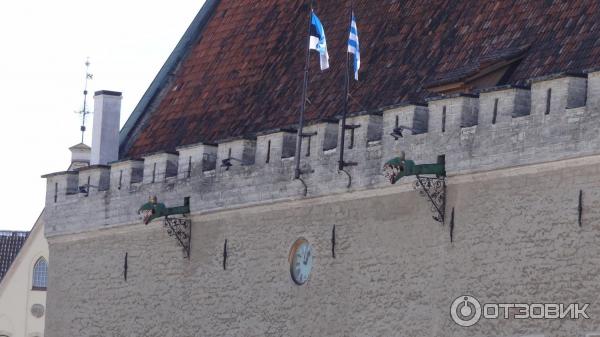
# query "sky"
(43, 49)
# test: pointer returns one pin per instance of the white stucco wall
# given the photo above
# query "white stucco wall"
(16, 294)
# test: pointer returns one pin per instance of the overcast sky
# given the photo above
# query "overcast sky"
(43, 48)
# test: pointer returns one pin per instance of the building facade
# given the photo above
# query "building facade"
(23, 288)
(230, 244)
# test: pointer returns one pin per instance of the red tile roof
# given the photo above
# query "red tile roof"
(10, 245)
(245, 73)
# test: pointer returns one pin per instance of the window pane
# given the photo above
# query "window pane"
(40, 274)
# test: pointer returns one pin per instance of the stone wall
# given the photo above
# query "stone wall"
(522, 134)
(516, 159)
(516, 239)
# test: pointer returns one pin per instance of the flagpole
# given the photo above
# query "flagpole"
(341, 162)
(303, 104)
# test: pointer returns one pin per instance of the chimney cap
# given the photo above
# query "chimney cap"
(108, 93)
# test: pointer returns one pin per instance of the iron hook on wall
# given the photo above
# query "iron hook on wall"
(225, 255)
(333, 242)
(452, 226)
(125, 267)
(580, 208)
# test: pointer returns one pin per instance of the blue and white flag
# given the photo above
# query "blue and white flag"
(318, 41)
(353, 46)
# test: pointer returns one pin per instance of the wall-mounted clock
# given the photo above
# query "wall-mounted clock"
(301, 260)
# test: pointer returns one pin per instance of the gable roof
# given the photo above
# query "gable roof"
(10, 245)
(242, 72)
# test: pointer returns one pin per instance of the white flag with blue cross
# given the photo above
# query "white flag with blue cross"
(353, 46)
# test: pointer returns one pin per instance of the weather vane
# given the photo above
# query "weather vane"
(84, 112)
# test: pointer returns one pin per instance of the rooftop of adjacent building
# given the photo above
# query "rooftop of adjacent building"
(10, 245)
(239, 68)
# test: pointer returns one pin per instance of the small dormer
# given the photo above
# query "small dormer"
(80, 156)
(491, 70)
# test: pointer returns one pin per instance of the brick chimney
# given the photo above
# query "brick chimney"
(105, 134)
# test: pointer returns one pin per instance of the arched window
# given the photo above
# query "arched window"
(40, 274)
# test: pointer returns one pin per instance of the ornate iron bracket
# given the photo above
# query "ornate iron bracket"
(181, 229)
(434, 189)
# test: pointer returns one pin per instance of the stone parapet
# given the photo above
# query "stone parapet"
(499, 128)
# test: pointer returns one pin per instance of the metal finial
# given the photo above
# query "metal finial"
(84, 112)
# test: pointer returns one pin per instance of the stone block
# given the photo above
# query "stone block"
(94, 179)
(273, 146)
(236, 152)
(499, 105)
(324, 137)
(450, 113)
(414, 117)
(126, 172)
(593, 92)
(59, 185)
(195, 159)
(553, 94)
(362, 129)
(160, 166)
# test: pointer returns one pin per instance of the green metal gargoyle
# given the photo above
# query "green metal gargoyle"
(153, 209)
(399, 167)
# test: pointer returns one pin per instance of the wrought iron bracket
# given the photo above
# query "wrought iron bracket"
(181, 230)
(349, 177)
(434, 189)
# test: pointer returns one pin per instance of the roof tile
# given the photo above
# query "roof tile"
(245, 74)
(10, 245)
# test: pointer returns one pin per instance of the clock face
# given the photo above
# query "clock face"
(301, 260)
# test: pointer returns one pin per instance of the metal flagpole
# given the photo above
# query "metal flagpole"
(303, 104)
(341, 162)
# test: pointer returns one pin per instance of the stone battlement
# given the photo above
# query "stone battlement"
(556, 118)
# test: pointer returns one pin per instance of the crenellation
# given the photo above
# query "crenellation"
(160, 166)
(500, 105)
(272, 147)
(593, 92)
(471, 142)
(522, 102)
(125, 173)
(577, 92)
(195, 159)
(552, 95)
(312, 146)
(412, 118)
(235, 152)
(450, 113)
(94, 179)
(324, 137)
(362, 129)
(59, 185)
